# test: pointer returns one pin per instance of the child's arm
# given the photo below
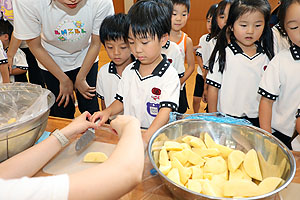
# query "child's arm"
(103, 106)
(212, 98)
(265, 113)
(161, 119)
(114, 108)
(14, 44)
(4, 73)
(18, 71)
(80, 83)
(190, 59)
(298, 125)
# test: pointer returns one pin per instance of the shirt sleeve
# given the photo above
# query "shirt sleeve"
(215, 78)
(170, 91)
(269, 86)
(26, 19)
(50, 187)
(20, 60)
(298, 112)
(103, 9)
(3, 57)
(99, 85)
(179, 64)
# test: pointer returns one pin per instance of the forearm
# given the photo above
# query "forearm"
(45, 59)
(115, 108)
(30, 160)
(187, 73)
(265, 114)
(4, 73)
(116, 176)
(90, 57)
(13, 47)
(160, 120)
(18, 71)
(212, 98)
(298, 125)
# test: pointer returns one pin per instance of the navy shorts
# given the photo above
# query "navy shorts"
(199, 86)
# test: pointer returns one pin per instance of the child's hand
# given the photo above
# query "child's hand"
(78, 125)
(10, 64)
(65, 92)
(103, 115)
(84, 89)
(122, 122)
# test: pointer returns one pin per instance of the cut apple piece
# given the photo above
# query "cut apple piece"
(269, 184)
(215, 165)
(235, 159)
(172, 146)
(240, 187)
(251, 165)
(163, 157)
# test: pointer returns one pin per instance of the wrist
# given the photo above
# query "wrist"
(62, 139)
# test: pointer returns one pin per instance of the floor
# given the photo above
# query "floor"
(190, 83)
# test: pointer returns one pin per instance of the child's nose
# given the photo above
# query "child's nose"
(250, 29)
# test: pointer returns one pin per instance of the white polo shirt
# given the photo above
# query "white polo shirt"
(239, 82)
(107, 83)
(206, 53)
(201, 51)
(172, 51)
(281, 83)
(19, 61)
(65, 32)
(50, 187)
(142, 97)
(280, 42)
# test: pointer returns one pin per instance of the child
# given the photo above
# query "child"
(104, 181)
(280, 39)
(63, 36)
(280, 84)
(181, 9)
(201, 72)
(113, 37)
(149, 88)
(18, 72)
(296, 137)
(236, 68)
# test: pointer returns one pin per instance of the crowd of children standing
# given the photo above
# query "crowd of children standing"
(247, 69)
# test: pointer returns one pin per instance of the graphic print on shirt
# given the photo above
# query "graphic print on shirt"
(153, 107)
(70, 30)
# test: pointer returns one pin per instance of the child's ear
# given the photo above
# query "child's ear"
(164, 39)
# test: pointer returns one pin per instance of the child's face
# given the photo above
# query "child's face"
(248, 28)
(292, 23)
(4, 38)
(146, 50)
(208, 24)
(69, 3)
(179, 17)
(118, 51)
(222, 19)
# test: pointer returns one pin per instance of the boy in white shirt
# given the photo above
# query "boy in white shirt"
(113, 37)
(149, 88)
(20, 67)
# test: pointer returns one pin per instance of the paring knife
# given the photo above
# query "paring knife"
(86, 138)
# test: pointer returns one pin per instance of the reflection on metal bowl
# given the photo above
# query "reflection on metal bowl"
(23, 133)
(274, 157)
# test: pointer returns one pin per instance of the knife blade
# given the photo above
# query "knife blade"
(85, 139)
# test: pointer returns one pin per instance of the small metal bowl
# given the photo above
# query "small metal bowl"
(20, 135)
(274, 157)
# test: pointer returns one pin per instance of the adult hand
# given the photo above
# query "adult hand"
(65, 92)
(122, 122)
(82, 86)
(79, 125)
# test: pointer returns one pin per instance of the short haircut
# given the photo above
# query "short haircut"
(148, 18)
(168, 4)
(113, 28)
(186, 3)
(6, 28)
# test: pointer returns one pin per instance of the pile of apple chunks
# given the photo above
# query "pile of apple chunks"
(203, 166)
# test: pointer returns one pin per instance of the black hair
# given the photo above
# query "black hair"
(186, 3)
(168, 4)
(211, 11)
(282, 13)
(6, 28)
(215, 29)
(148, 18)
(237, 9)
(113, 28)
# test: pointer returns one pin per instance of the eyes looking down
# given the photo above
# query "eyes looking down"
(292, 23)
(179, 16)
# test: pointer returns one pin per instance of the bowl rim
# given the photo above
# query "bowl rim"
(285, 149)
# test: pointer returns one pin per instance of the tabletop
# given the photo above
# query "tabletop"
(151, 186)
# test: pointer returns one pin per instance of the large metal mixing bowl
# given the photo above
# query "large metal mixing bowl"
(18, 136)
(274, 157)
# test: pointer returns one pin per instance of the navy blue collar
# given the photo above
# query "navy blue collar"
(295, 51)
(236, 49)
(167, 45)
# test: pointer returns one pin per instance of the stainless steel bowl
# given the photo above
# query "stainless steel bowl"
(274, 157)
(18, 136)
